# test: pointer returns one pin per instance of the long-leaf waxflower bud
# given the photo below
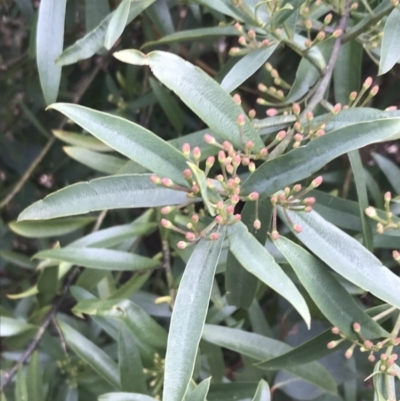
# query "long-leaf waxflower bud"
(210, 161)
(316, 182)
(237, 99)
(166, 223)
(253, 196)
(187, 173)
(214, 236)
(252, 113)
(370, 212)
(275, 235)
(195, 218)
(190, 236)
(357, 327)
(367, 83)
(241, 120)
(155, 180)
(280, 136)
(297, 228)
(181, 245)
(271, 112)
(238, 27)
(186, 149)
(209, 139)
(252, 167)
(234, 51)
(227, 146)
(196, 153)
(242, 40)
(396, 256)
(268, 67)
(320, 36)
(296, 109)
(257, 224)
(328, 19)
(337, 33)
(336, 108)
(167, 209)
(251, 34)
(237, 217)
(222, 157)
(167, 182)
(229, 168)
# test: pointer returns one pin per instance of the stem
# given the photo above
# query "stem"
(166, 264)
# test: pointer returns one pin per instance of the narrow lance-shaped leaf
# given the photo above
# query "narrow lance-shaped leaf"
(117, 23)
(200, 392)
(90, 353)
(34, 379)
(391, 171)
(300, 163)
(262, 348)
(257, 260)
(129, 139)
(328, 294)
(126, 397)
(82, 141)
(49, 44)
(263, 392)
(99, 258)
(115, 192)
(246, 67)
(346, 256)
(199, 92)
(390, 52)
(188, 317)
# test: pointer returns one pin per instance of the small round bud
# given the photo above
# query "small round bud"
(195, 189)
(370, 211)
(209, 139)
(298, 137)
(331, 344)
(297, 126)
(316, 182)
(320, 133)
(320, 36)
(219, 178)
(190, 236)
(281, 135)
(166, 209)
(196, 153)
(368, 344)
(242, 41)
(357, 327)
(353, 96)
(221, 157)
(394, 357)
(309, 115)
(195, 218)
(234, 51)
(235, 199)
(268, 67)
(307, 43)
(328, 19)
(250, 145)
(297, 188)
(252, 113)
(257, 224)
(348, 354)
(335, 330)
(219, 219)
(275, 235)
(374, 90)
(296, 145)
(227, 146)
(396, 255)
(296, 109)
(214, 236)
(237, 99)
(265, 42)
(271, 112)
(254, 196)
(336, 108)
(297, 228)
(186, 149)
(155, 180)
(388, 196)
(238, 27)
(274, 73)
(384, 357)
(187, 173)
(354, 6)
(262, 88)
(210, 161)
(229, 168)
(236, 160)
(337, 33)
(251, 34)
(252, 167)
(167, 182)
(367, 83)
(371, 358)
(308, 24)
(264, 151)
(181, 245)
(391, 108)
(166, 223)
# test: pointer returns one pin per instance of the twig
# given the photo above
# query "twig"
(50, 142)
(320, 91)
(168, 271)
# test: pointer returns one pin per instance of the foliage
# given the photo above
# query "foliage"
(237, 171)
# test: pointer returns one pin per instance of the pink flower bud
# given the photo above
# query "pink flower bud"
(221, 157)
(234, 51)
(166, 223)
(384, 357)
(394, 357)
(167, 182)
(237, 217)
(187, 173)
(298, 137)
(337, 33)
(155, 180)
(227, 146)
(328, 19)
(268, 67)
(186, 149)
(371, 358)
(257, 224)
(229, 168)
(370, 211)
(262, 88)
(275, 235)
(195, 218)
(296, 109)
(396, 255)
(181, 245)
(367, 83)
(316, 182)
(210, 161)
(296, 145)
(368, 344)
(320, 36)
(335, 330)
(254, 196)
(166, 209)
(209, 139)
(297, 126)
(374, 90)
(320, 133)
(297, 188)
(252, 167)
(250, 145)
(348, 354)
(219, 219)
(354, 6)
(195, 189)
(309, 115)
(241, 120)
(242, 40)
(307, 43)
(353, 96)
(237, 99)
(236, 160)
(190, 236)
(331, 344)
(281, 135)
(357, 327)
(238, 27)
(309, 201)
(388, 196)
(252, 113)
(264, 152)
(219, 178)
(196, 153)
(308, 209)
(214, 236)
(230, 209)
(391, 108)
(308, 24)
(297, 228)
(265, 42)
(272, 112)
(336, 108)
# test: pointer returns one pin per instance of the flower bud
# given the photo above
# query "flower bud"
(337, 33)
(251, 34)
(307, 43)
(316, 182)
(298, 137)
(195, 189)
(297, 188)
(371, 358)
(210, 161)
(252, 113)
(354, 6)
(195, 218)
(320, 133)
(252, 167)
(237, 99)
(370, 211)
(275, 235)
(388, 196)
(166, 223)
(297, 228)
(241, 120)
(357, 327)
(219, 219)
(332, 344)
(221, 157)
(296, 109)
(196, 153)
(353, 96)
(374, 90)
(238, 27)
(187, 173)
(268, 67)
(242, 41)
(237, 217)
(264, 152)
(336, 108)
(257, 224)
(209, 139)
(328, 19)
(320, 36)
(308, 24)
(265, 42)
(396, 255)
(274, 73)
(368, 344)
(280, 136)
(167, 182)
(367, 83)
(384, 357)
(190, 236)
(309, 201)
(309, 115)
(379, 228)
(155, 180)
(253, 196)
(271, 112)
(186, 149)
(167, 209)
(229, 168)
(335, 330)
(214, 236)
(391, 108)
(234, 51)
(181, 245)
(348, 354)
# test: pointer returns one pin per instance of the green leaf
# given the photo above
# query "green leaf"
(90, 353)
(95, 12)
(346, 256)
(11, 327)
(134, 284)
(125, 397)
(336, 304)
(82, 141)
(99, 258)
(262, 348)
(199, 92)
(115, 192)
(46, 229)
(17, 259)
(188, 317)
(263, 392)
(169, 104)
(390, 53)
(391, 171)
(300, 163)
(130, 363)
(117, 24)
(93, 41)
(246, 67)
(240, 284)
(34, 379)
(129, 139)
(257, 260)
(49, 44)
(200, 392)
(363, 203)
(195, 34)
(21, 388)
(104, 163)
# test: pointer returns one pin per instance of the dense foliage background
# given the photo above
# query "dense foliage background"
(316, 83)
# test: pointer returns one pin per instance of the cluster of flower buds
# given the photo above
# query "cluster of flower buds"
(292, 199)
(70, 370)
(321, 35)
(157, 375)
(385, 220)
(308, 8)
(248, 41)
(355, 98)
(367, 346)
